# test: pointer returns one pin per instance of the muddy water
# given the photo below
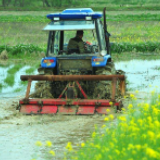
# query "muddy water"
(18, 133)
(142, 75)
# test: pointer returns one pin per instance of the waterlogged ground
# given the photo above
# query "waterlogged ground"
(18, 133)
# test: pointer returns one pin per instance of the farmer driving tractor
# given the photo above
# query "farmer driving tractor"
(76, 44)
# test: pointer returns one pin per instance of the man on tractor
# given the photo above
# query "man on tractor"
(77, 45)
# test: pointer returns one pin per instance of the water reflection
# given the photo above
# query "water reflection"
(9, 91)
(142, 75)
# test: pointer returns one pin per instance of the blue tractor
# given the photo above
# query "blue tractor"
(68, 75)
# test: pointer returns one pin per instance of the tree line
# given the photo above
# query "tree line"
(40, 3)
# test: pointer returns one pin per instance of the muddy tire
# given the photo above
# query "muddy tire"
(103, 89)
(43, 89)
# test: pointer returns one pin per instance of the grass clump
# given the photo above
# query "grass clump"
(136, 47)
(17, 89)
(9, 79)
(15, 68)
(30, 70)
(21, 48)
(136, 136)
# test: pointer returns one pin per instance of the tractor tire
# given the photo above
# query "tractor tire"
(103, 89)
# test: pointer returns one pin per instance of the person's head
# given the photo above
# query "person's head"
(80, 33)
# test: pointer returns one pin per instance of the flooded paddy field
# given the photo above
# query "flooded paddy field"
(18, 133)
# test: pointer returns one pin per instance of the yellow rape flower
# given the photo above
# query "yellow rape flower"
(130, 106)
(93, 134)
(69, 146)
(125, 97)
(108, 110)
(122, 118)
(151, 134)
(52, 152)
(48, 143)
(146, 107)
(117, 151)
(158, 136)
(38, 143)
(111, 103)
(130, 147)
(106, 119)
(82, 144)
(111, 116)
(103, 126)
(152, 92)
(155, 111)
(149, 118)
(151, 153)
(138, 146)
(137, 91)
(132, 96)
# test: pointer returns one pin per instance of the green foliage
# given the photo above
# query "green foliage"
(41, 3)
(24, 83)
(30, 70)
(21, 48)
(23, 18)
(9, 80)
(14, 69)
(17, 89)
(1, 86)
(136, 47)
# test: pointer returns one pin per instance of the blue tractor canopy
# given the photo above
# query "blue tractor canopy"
(64, 25)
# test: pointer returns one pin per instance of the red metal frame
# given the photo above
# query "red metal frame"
(70, 106)
(63, 106)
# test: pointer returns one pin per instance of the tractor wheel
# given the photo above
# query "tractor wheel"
(103, 89)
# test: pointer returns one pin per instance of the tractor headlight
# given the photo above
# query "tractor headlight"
(103, 52)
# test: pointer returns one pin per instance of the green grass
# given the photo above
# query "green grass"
(31, 33)
(30, 70)
(15, 69)
(17, 90)
(118, 17)
(9, 80)
(135, 47)
(97, 5)
(24, 83)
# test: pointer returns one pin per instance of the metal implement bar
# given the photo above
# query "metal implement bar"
(28, 88)
(63, 102)
(71, 77)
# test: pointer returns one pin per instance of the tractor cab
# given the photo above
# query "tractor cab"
(64, 25)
